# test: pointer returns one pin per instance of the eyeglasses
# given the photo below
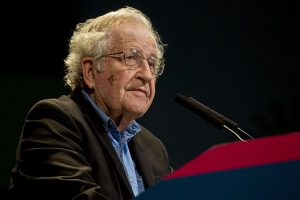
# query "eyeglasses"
(134, 59)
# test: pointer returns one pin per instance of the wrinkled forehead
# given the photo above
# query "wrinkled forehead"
(132, 33)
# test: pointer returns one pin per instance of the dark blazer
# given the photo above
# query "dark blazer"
(65, 153)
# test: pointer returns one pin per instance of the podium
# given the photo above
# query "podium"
(261, 169)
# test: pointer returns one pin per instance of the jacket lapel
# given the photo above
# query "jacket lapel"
(105, 141)
(93, 119)
(141, 159)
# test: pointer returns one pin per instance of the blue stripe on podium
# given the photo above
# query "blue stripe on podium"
(278, 181)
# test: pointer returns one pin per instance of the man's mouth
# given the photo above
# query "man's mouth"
(140, 90)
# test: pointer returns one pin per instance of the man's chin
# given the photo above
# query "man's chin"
(138, 111)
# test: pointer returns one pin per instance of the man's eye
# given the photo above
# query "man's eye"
(131, 57)
(152, 63)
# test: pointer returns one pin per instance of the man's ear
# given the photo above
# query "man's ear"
(87, 72)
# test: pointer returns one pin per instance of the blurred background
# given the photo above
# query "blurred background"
(239, 57)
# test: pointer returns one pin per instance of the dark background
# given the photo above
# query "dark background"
(238, 57)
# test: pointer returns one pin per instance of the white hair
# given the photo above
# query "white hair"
(91, 38)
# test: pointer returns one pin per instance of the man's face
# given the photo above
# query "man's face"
(121, 91)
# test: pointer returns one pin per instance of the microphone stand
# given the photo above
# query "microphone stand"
(212, 116)
(240, 131)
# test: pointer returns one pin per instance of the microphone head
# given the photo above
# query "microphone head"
(210, 115)
(179, 98)
(205, 112)
(200, 109)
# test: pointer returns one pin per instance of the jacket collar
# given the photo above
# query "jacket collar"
(93, 119)
(137, 151)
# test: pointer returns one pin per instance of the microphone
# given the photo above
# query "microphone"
(212, 116)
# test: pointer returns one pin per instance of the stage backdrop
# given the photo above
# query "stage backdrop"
(241, 58)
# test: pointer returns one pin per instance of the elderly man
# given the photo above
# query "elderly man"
(87, 145)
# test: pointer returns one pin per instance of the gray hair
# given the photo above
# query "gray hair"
(91, 38)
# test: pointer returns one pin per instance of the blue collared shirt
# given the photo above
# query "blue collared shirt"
(120, 141)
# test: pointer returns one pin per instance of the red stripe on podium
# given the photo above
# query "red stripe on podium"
(235, 155)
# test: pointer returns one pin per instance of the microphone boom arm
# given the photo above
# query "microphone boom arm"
(212, 116)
